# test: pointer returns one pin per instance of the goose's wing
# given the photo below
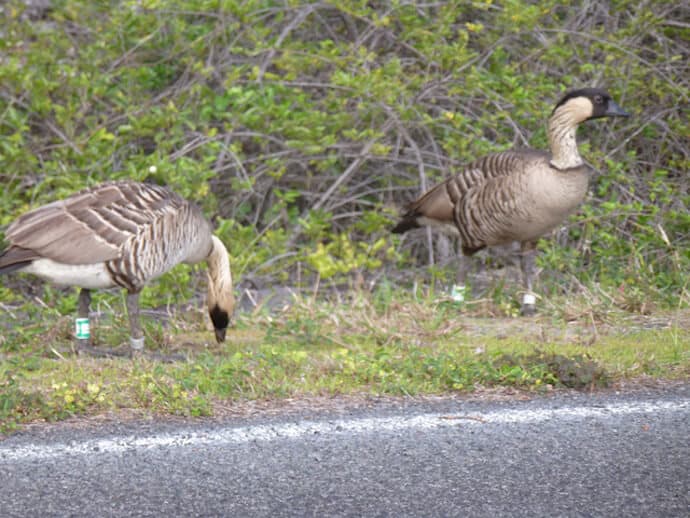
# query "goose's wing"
(91, 226)
(438, 203)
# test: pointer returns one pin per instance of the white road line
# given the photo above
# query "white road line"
(272, 432)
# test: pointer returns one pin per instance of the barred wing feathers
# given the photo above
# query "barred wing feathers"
(482, 193)
(92, 225)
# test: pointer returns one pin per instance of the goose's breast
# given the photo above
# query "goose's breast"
(555, 196)
(543, 200)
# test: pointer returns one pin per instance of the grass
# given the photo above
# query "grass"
(370, 345)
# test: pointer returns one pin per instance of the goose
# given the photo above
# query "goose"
(518, 194)
(120, 234)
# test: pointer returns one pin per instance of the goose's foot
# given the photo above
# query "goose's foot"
(162, 357)
(102, 352)
(528, 310)
(137, 351)
(128, 352)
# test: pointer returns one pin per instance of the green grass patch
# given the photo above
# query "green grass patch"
(318, 348)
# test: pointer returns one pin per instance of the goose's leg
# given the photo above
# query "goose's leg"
(459, 291)
(136, 338)
(528, 264)
(83, 312)
(463, 268)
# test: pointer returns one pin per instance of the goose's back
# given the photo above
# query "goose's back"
(138, 230)
(523, 201)
(182, 235)
(514, 195)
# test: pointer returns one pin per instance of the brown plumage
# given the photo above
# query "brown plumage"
(122, 234)
(519, 194)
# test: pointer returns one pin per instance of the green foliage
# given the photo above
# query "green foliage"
(68, 400)
(343, 256)
(16, 404)
(578, 371)
(302, 128)
(388, 344)
(154, 391)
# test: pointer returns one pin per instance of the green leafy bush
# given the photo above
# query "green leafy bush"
(303, 127)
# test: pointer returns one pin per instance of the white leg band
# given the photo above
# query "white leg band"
(458, 292)
(529, 299)
(136, 343)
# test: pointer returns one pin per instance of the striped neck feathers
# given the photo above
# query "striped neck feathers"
(221, 299)
(562, 130)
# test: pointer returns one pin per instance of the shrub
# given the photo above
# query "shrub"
(303, 127)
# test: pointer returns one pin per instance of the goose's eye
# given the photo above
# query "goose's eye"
(598, 99)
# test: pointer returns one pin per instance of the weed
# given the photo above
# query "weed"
(391, 343)
(17, 404)
(577, 371)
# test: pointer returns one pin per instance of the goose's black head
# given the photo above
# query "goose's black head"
(220, 298)
(221, 320)
(594, 103)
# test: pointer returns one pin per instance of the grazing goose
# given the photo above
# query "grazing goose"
(124, 234)
(516, 195)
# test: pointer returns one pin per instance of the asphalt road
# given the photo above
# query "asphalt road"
(606, 454)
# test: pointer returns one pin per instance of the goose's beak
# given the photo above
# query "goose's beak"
(614, 110)
(220, 334)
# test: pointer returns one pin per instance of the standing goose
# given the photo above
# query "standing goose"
(519, 194)
(124, 234)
